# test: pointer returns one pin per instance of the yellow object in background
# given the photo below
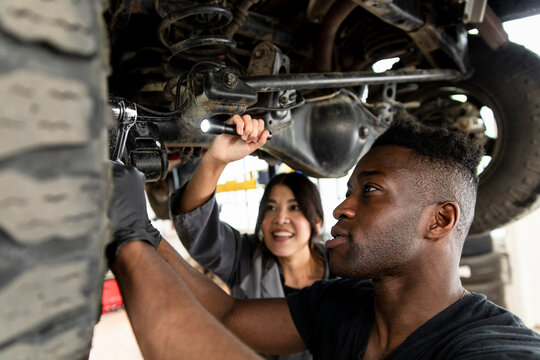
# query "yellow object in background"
(238, 185)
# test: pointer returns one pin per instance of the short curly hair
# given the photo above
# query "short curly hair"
(448, 161)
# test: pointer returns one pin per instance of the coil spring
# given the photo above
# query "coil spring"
(381, 40)
(188, 32)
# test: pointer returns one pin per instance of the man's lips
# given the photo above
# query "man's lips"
(340, 237)
(338, 240)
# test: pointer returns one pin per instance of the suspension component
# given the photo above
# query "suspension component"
(137, 142)
(339, 80)
(212, 92)
(436, 45)
(149, 156)
(187, 32)
(125, 114)
(267, 59)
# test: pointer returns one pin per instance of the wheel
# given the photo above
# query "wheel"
(52, 177)
(500, 107)
(481, 268)
(158, 192)
(494, 290)
(158, 198)
(477, 245)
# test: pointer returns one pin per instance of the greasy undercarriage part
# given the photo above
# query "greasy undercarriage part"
(438, 47)
(305, 139)
(290, 60)
(137, 141)
(332, 80)
(322, 148)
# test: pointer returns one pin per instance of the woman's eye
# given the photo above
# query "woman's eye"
(295, 207)
(270, 207)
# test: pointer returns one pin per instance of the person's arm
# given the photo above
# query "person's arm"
(214, 244)
(265, 325)
(224, 149)
(166, 302)
(168, 322)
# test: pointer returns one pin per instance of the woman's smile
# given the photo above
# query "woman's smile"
(282, 235)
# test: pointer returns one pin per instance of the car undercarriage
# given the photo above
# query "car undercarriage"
(306, 69)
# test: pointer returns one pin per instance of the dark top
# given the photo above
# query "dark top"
(335, 317)
(236, 258)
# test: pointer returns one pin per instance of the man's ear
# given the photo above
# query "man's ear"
(443, 220)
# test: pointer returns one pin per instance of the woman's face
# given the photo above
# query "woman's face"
(285, 229)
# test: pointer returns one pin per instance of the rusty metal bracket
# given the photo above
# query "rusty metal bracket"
(491, 29)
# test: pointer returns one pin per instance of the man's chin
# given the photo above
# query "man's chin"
(339, 267)
(343, 268)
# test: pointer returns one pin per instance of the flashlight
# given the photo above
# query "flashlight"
(212, 128)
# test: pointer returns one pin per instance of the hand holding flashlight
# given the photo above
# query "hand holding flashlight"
(250, 136)
(209, 127)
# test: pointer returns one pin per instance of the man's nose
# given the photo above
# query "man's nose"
(344, 210)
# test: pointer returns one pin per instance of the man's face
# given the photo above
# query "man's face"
(378, 223)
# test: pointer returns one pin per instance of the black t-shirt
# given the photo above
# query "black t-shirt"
(335, 317)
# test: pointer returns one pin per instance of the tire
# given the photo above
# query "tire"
(494, 290)
(477, 245)
(507, 82)
(481, 268)
(158, 198)
(158, 192)
(52, 177)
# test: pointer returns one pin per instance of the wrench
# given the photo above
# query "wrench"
(125, 113)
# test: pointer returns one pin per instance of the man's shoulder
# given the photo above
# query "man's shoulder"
(496, 324)
(497, 341)
(484, 329)
(472, 328)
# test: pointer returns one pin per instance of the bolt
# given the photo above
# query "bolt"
(364, 132)
(283, 99)
(259, 53)
(292, 97)
(230, 79)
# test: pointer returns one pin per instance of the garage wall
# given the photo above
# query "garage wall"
(521, 241)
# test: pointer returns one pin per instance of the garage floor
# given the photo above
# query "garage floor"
(114, 339)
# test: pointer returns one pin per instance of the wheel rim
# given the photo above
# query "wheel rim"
(456, 99)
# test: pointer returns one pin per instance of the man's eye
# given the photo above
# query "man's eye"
(368, 188)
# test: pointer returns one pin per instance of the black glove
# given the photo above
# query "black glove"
(127, 210)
